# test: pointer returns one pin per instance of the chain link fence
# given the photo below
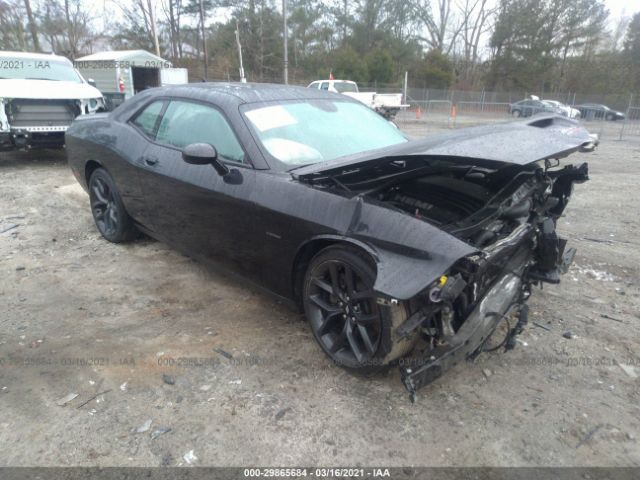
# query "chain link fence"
(631, 125)
(610, 116)
(431, 108)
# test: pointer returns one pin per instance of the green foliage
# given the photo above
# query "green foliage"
(346, 64)
(379, 65)
(533, 39)
(435, 70)
(535, 45)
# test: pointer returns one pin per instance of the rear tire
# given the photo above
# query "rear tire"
(346, 320)
(516, 114)
(111, 218)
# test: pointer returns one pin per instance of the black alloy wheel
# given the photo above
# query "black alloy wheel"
(340, 304)
(108, 211)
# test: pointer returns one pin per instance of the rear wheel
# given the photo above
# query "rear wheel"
(112, 220)
(516, 113)
(346, 320)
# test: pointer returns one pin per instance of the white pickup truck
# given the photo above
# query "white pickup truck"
(386, 104)
(40, 95)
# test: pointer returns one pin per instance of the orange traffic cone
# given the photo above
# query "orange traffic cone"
(418, 112)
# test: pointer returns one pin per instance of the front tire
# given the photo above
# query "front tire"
(516, 114)
(111, 218)
(346, 320)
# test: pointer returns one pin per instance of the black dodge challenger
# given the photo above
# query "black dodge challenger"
(398, 250)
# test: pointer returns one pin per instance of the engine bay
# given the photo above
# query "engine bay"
(475, 204)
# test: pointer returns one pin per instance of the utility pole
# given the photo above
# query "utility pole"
(286, 50)
(204, 42)
(404, 90)
(242, 79)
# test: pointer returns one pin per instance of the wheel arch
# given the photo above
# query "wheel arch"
(89, 167)
(312, 247)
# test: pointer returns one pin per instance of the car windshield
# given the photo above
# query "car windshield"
(343, 87)
(302, 133)
(26, 68)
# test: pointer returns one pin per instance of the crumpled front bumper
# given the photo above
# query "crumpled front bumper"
(479, 325)
(28, 137)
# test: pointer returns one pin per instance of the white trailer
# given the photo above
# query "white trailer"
(121, 74)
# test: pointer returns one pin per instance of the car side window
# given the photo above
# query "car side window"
(184, 123)
(314, 85)
(147, 119)
(324, 86)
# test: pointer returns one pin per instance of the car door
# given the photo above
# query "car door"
(191, 206)
(535, 107)
(136, 136)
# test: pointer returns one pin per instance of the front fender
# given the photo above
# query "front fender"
(410, 253)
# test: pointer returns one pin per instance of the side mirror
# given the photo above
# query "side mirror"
(91, 82)
(204, 154)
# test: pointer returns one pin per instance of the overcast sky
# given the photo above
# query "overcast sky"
(618, 7)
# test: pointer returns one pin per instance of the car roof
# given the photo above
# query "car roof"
(227, 95)
(34, 56)
(241, 93)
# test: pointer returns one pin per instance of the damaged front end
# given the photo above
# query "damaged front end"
(456, 316)
(463, 225)
(41, 123)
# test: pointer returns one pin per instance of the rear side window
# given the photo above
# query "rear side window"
(324, 86)
(147, 119)
(184, 123)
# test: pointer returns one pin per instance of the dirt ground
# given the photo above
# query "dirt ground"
(238, 379)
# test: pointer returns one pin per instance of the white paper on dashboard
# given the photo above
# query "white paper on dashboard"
(268, 118)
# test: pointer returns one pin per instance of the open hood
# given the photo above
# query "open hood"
(518, 142)
(47, 89)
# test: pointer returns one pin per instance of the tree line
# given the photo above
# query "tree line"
(520, 45)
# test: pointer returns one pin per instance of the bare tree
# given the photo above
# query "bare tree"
(616, 37)
(476, 16)
(12, 30)
(173, 13)
(137, 27)
(32, 25)
(67, 26)
(441, 30)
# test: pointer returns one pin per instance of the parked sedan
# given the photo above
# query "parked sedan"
(597, 111)
(393, 248)
(527, 108)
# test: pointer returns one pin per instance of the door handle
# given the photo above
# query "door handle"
(151, 161)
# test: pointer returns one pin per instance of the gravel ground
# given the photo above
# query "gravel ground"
(167, 356)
